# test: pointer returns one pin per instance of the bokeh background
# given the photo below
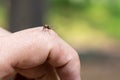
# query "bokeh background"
(92, 27)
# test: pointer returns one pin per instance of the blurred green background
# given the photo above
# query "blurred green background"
(92, 27)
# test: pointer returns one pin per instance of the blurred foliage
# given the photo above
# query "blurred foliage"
(82, 19)
(3, 13)
(91, 15)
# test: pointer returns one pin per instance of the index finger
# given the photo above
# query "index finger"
(65, 59)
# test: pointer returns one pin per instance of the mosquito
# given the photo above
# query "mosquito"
(46, 27)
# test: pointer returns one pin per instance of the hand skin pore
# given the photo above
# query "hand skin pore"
(37, 54)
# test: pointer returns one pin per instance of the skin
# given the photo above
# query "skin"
(37, 54)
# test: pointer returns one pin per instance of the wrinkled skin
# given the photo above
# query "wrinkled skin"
(38, 54)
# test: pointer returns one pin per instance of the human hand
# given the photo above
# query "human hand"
(38, 54)
(3, 32)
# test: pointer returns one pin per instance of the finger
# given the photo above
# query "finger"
(23, 49)
(6, 71)
(27, 52)
(4, 32)
(65, 59)
(43, 72)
